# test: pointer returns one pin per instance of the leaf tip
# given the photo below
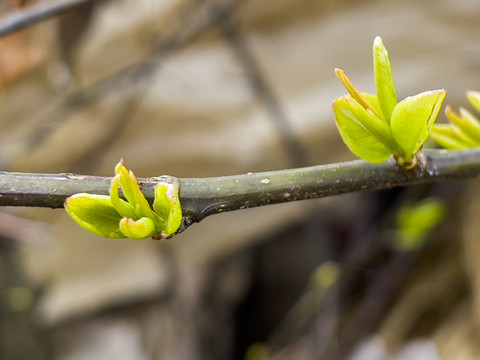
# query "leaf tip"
(473, 93)
(378, 42)
(137, 229)
(339, 73)
(119, 167)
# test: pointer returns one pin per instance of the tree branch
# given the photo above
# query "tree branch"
(33, 14)
(201, 197)
(262, 89)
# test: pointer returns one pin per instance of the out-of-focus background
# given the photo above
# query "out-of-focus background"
(197, 88)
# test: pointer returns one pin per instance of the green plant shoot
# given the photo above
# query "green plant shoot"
(113, 217)
(374, 127)
(463, 130)
(414, 222)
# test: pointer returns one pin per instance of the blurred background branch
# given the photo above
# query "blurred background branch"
(21, 19)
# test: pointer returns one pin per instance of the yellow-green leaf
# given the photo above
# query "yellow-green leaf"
(416, 221)
(137, 229)
(413, 118)
(167, 206)
(470, 125)
(136, 200)
(95, 213)
(363, 140)
(474, 98)
(357, 95)
(446, 137)
(124, 208)
(386, 93)
(132, 192)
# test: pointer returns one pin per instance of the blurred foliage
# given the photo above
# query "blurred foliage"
(463, 131)
(414, 222)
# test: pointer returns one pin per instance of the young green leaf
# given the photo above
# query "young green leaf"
(361, 139)
(463, 136)
(474, 98)
(134, 195)
(175, 216)
(471, 125)
(372, 125)
(415, 221)
(461, 127)
(95, 213)
(137, 229)
(412, 120)
(124, 208)
(463, 132)
(446, 137)
(386, 93)
(167, 206)
(357, 95)
(113, 217)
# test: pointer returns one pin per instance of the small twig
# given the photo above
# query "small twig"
(201, 197)
(263, 90)
(33, 14)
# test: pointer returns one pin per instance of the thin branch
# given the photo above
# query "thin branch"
(201, 197)
(20, 19)
(263, 90)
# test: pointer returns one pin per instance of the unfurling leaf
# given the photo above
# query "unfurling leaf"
(137, 229)
(386, 92)
(135, 197)
(413, 118)
(446, 137)
(357, 95)
(362, 141)
(470, 125)
(95, 213)
(167, 206)
(474, 98)
(377, 126)
(113, 217)
(463, 131)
